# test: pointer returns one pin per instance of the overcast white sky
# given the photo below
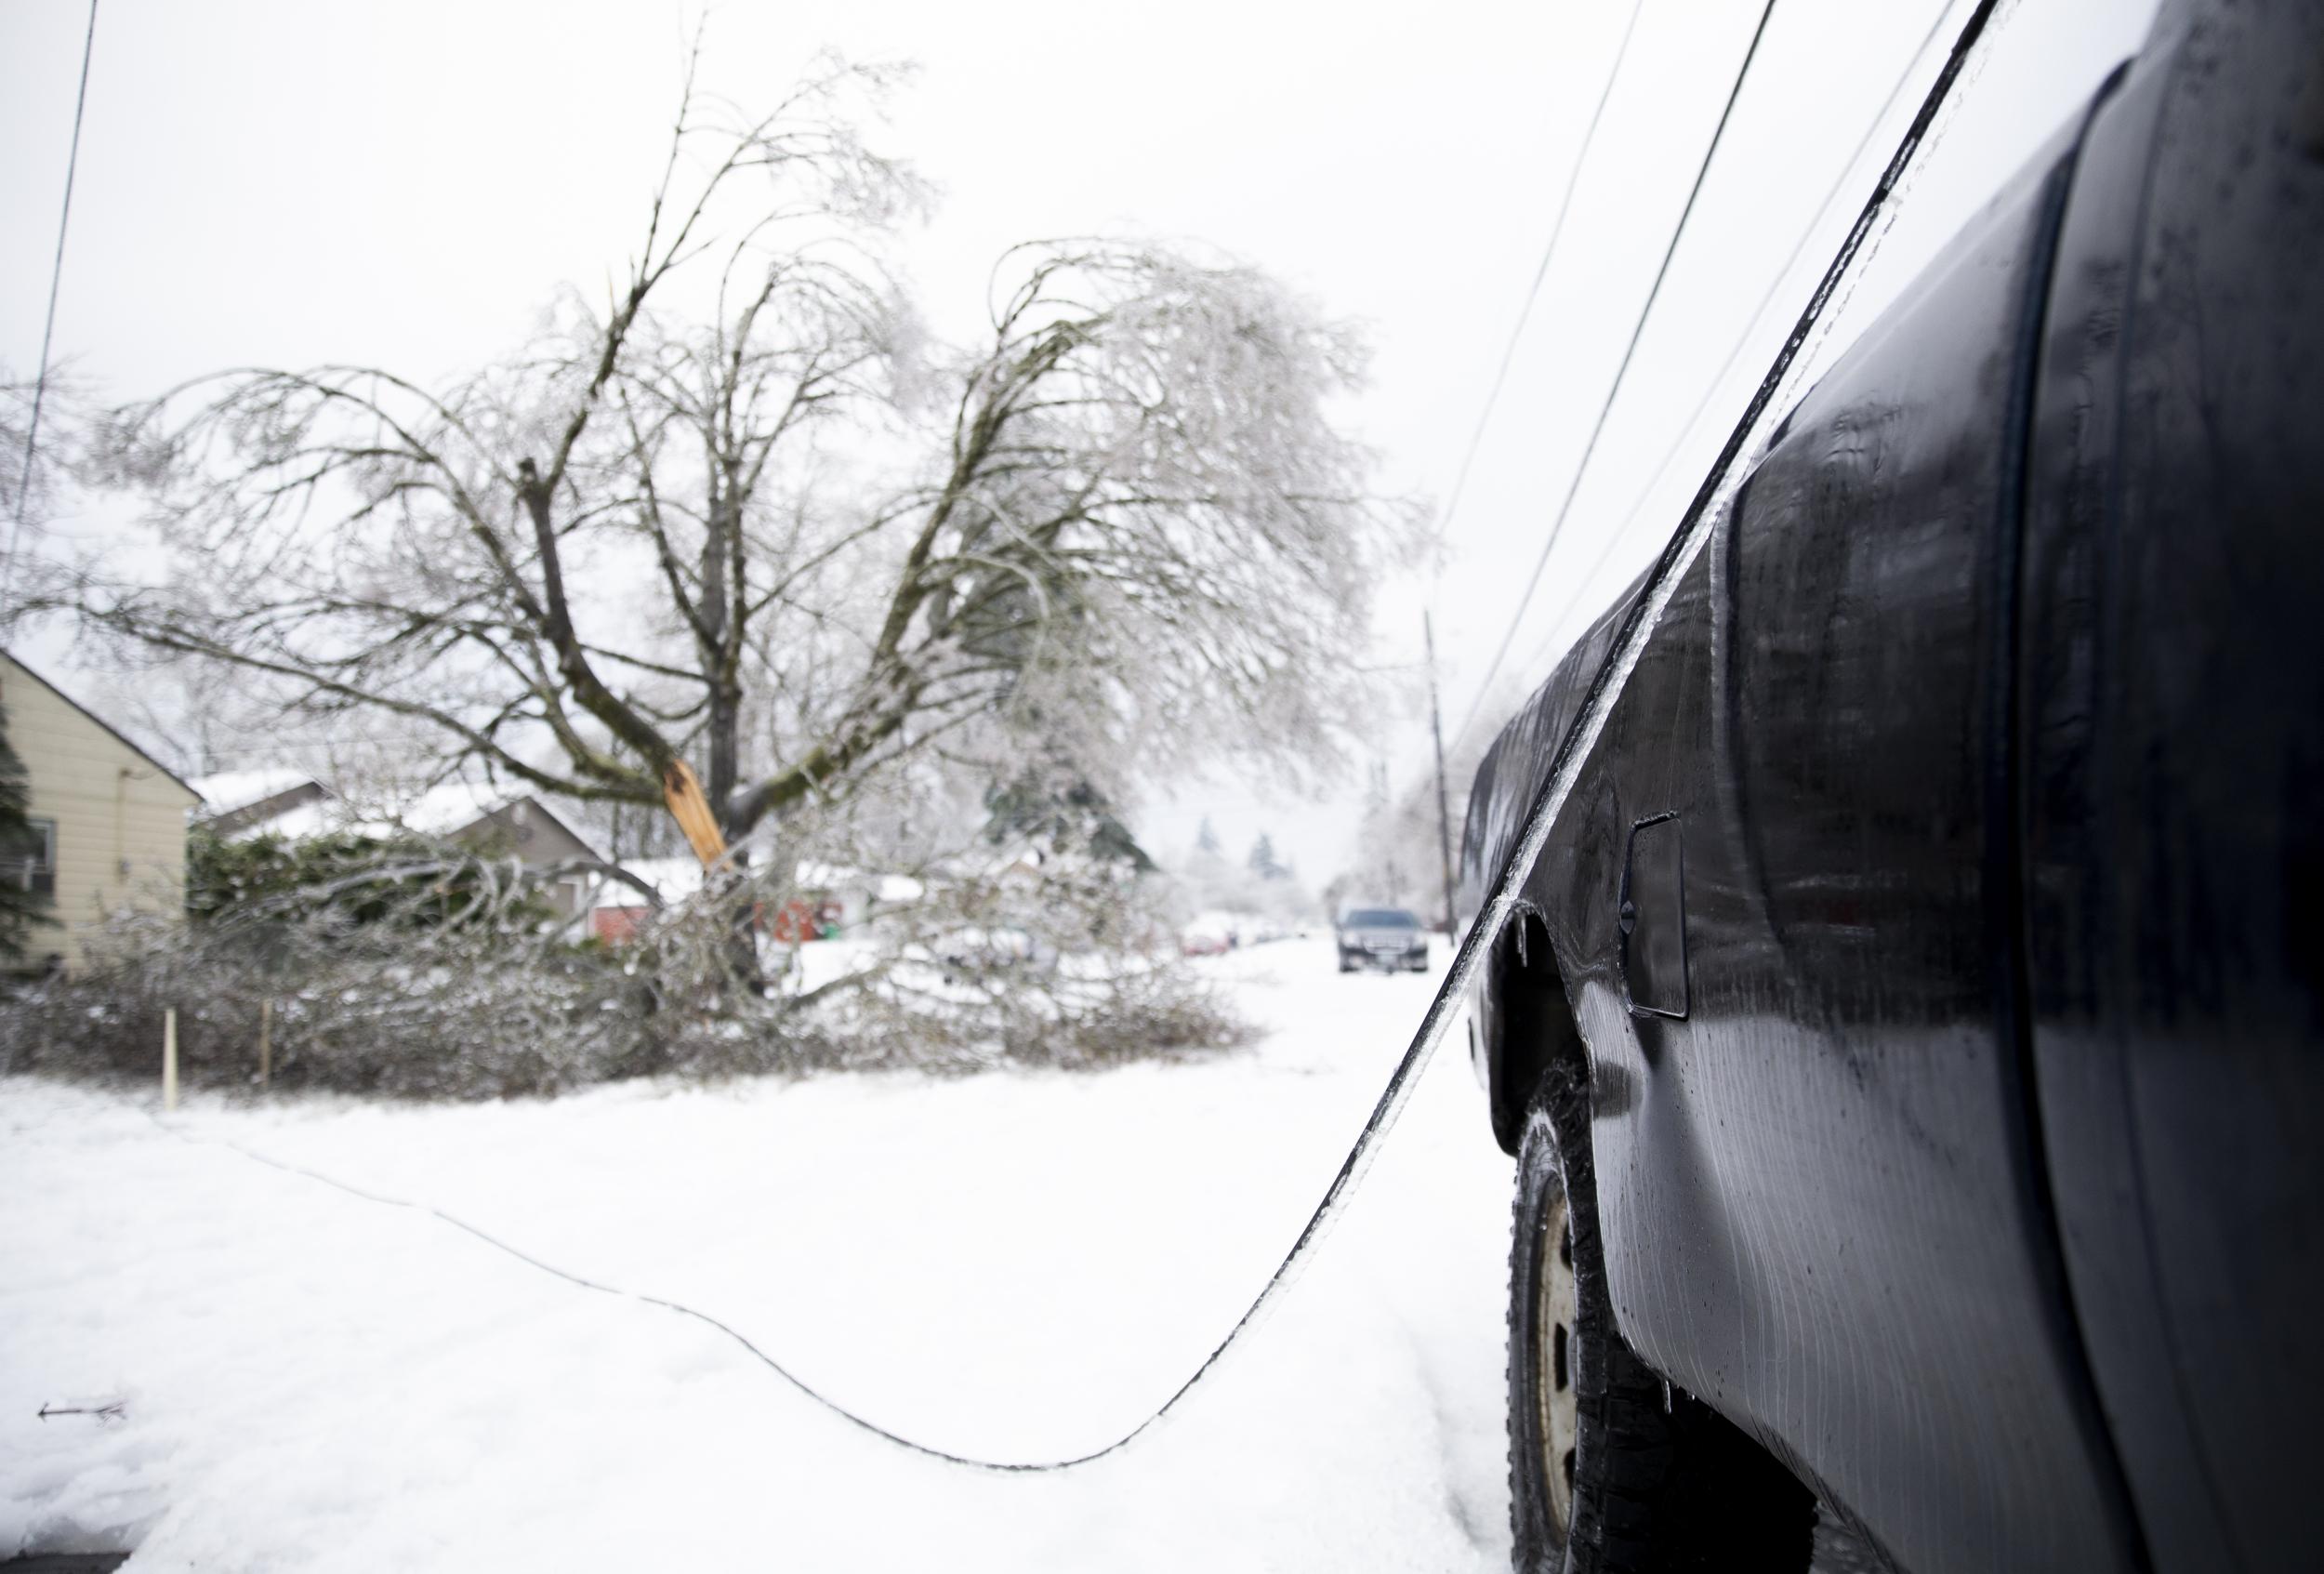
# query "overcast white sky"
(264, 181)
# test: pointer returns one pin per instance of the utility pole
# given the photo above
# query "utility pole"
(1444, 811)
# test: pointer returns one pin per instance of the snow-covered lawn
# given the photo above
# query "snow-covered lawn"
(1010, 1266)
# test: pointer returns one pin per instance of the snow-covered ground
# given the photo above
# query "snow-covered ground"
(1014, 1266)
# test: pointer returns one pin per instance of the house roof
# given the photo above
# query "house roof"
(518, 817)
(97, 721)
(225, 792)
(451, 808)
(288, 803)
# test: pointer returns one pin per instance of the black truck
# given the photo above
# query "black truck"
(1912, 1032)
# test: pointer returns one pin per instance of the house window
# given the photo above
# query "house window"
(28, 858)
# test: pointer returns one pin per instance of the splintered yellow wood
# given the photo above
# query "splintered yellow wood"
(683, 788)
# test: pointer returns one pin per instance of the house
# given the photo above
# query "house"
(524, 828)
(109, 820)
(242, 805)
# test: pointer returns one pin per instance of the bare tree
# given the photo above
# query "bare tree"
(29, 471)
(746, 536)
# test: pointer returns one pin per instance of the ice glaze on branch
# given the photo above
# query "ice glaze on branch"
(786, 541)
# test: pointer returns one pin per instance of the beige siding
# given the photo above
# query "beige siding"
(121, 818)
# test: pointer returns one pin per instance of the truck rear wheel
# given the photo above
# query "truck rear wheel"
(1611, 1469)
(1543, 1402)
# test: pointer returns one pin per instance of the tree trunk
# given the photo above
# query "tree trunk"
(723, 728)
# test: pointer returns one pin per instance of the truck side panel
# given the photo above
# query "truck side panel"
(2174, 785)
(1818, 1181)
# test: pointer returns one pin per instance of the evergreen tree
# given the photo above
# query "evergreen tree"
(1261, 861)
(1077, 818)
(20, 906)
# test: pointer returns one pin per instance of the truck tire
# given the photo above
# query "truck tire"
(1612, 1470)
(1543, 1403)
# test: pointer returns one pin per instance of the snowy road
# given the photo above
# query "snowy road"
(1011, 1266)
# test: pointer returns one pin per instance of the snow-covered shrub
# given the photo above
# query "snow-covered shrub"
(444, 979)
(1054, 959)
(437, 977)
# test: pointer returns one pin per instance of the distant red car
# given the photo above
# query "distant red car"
(1204, 942)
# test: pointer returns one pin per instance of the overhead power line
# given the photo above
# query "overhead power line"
(1840, 182)
(1557, 228)
(1614, 392)
(55, 276)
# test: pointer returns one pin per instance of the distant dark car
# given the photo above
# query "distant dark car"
(1912, 1035)
(1382, 937)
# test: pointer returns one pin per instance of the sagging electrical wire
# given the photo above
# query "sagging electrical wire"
(1605, 687)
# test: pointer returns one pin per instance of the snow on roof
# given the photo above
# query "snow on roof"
(673, 879)
(323, 816)
(436, 811)
(445, 810)
(448, 807)
(224, 791)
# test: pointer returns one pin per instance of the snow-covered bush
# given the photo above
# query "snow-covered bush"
(444, 979)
